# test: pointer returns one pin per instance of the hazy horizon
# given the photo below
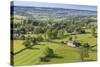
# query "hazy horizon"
(53, 5)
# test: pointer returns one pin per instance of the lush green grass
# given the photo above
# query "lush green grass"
(87, 38)
(17, 45)
(65, 53)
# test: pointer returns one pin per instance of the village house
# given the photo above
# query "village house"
(73, 44)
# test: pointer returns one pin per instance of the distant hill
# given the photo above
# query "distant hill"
(46, 12)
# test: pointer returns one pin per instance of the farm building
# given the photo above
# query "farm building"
(78, 31)
(73, 44)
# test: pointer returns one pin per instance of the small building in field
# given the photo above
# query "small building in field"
(73, 44)
(78, 31)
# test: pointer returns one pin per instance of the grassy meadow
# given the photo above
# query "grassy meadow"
(64, 53)
(43, 35)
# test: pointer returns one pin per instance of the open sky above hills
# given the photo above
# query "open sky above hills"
(53, 5)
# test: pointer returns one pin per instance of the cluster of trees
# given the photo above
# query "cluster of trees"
(54, 33)
(30, 41)
(51, 28)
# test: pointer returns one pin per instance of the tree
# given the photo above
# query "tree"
(70, 38)
(48, 34)
(34, 40)
(60, 33)
(50, 52)
(35, 22)
(27, 44)
(93, 32)
(54, 33)
(47, 54)
(37, 29)
(28, 21)
(22, 37)
(28, 38)
(84, 51)
(70, 29)
(40, 38)
(22, 30)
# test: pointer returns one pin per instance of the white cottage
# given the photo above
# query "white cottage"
(73, 44)
(70, 43)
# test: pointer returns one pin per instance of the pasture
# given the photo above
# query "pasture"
(64, 53)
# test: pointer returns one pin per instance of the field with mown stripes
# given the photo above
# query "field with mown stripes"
(63, 52)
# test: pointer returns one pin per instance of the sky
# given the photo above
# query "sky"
(54, 5)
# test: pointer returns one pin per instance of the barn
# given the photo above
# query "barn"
(73, 44)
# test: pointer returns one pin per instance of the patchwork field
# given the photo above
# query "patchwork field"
(63, 52)
(51, 35)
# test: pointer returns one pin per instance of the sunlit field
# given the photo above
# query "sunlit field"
(52, 35)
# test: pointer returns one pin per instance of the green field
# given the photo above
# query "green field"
(64, 53)
(49, 35)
